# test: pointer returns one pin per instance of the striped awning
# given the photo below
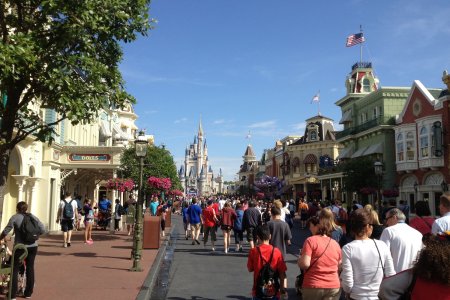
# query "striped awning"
(374, 149)
(359, 152)
(310, 159)
(346, 117)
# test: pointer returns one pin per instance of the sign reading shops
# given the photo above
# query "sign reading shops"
(89, 157)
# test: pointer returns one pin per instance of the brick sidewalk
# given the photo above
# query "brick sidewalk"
(98, 271)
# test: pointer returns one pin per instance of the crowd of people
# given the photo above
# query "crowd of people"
(352, 253)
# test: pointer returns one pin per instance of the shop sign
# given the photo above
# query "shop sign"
(89, 157)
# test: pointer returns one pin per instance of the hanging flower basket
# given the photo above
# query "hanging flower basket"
(260, 196)
(176, 193)
(120, 184)
(390, 193)
(162, 184)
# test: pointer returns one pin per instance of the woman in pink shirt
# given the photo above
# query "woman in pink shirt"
(423, 221)
(320, 260)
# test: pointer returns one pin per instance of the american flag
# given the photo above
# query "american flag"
(355, 39)
(316, 98)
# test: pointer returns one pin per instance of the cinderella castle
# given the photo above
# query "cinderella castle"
(196, 175)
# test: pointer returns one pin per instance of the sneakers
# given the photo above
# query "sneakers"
(213, 249)
(89, 242)
(65, 245)
(226, 251)
(68, 244)
(193, 243)
(198, 243)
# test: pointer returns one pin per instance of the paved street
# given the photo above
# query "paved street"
(198, 273)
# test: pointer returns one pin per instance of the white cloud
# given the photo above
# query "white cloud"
(221, 121)
(182, 120)
(265, 124)
(299, 127)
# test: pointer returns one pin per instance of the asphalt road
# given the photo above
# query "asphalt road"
(195, 272)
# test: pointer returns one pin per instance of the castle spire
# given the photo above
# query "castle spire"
(200, 128)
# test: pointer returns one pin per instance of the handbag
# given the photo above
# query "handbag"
(300, 277)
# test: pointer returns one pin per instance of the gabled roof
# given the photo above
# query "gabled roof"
(249, 151)
(416, 85)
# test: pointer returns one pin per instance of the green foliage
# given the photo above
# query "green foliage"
(158, 162)
(63, 55)
(359, 173)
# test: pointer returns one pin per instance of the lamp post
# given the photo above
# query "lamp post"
(140, 145)
(378, 167)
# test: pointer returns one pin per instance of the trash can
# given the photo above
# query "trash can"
(168, 218)
(152, 232)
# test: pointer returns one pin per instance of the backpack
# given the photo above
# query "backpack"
(268, 280)
(122, 210)
(342, 215)
(68, 210)
(29, 229)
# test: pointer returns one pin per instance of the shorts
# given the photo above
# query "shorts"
(195, 226)
(187, 226)
(88, 221)
(225, 227)
(251, 234)
(66, 225)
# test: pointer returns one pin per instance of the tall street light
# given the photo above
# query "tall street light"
(140, 146)
(378, 166)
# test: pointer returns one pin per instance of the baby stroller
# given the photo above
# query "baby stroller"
(103, 219)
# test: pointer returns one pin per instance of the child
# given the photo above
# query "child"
(265, 250)
(88, 221)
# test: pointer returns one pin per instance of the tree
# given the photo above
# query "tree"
(61, 55)
(359, 174)
(158, 163)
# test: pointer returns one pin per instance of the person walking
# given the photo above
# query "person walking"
(66, 215)
(238, 228)
(262, 254)
(88, 221)
(365, 261)
(320, 260)
(227, 217)
(184, 214)
(280, 233)
(403, 241)
(117, 215)
(442, 224)
(423, 221)
(130, 207)
(252, 219)
(194, 212)
(15, 222)
(303, 212)
(209, 220)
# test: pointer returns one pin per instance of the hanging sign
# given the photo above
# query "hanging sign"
(89, 157)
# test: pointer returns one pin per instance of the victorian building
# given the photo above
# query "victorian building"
(421, 145)
(196, 175)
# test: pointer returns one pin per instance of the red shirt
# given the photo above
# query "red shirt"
(208, 217)
(424, 289)
(228, 216)
(215, 206)
(254, 263)
(423, 225)
(324, 273)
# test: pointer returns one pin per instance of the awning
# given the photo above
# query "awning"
(359, 152)
(374, 149)
(310, 159)
(104, 129)
(119, 134)
(345, 153)
(346, 117)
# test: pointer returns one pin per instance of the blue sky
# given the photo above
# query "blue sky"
(255, 65)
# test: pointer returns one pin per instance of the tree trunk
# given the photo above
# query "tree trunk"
(4, 162)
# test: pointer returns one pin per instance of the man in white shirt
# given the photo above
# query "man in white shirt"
(221, 203)
(403, 241)
(67, 217)
(442, 224)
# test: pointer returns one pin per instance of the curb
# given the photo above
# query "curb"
(147, 287)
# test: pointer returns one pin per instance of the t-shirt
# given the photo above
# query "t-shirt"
(361, 268)
(442, 224)
(228, 216)
(324, 272)
(63, 203)
(252, 218)
(194, 212)
(280, 234)
(154, 207)
(238, 220)
(404, 243)
(254, 263)
(104, 204)
(208, 217)
(422, 224)
(184, 214)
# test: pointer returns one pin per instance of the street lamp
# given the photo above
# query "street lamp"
(378, 166)
(140, 146)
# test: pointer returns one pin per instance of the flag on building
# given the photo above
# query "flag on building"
(355, 39)
(316, 98)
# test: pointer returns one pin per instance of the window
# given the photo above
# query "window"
(366, 85)
(375, 112)
(313, 135)
(400, 148)
(410, 146)
(424, 144)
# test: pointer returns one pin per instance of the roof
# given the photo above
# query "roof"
(249, 151)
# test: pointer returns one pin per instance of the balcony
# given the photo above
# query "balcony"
(382, 120)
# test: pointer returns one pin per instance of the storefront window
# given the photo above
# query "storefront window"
(424, 144)
(400, 149)
(410, 146)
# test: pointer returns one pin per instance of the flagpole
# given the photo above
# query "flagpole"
(360, 45)
(318, 104)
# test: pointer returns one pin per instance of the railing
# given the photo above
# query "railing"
(382, 120)
(362, 65)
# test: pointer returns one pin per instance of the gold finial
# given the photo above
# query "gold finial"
(446, 79)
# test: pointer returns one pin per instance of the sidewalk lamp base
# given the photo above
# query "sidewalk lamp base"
(136, 269)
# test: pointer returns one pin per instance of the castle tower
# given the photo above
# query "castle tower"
(362, 79)
(182, 176)
(219, 180)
